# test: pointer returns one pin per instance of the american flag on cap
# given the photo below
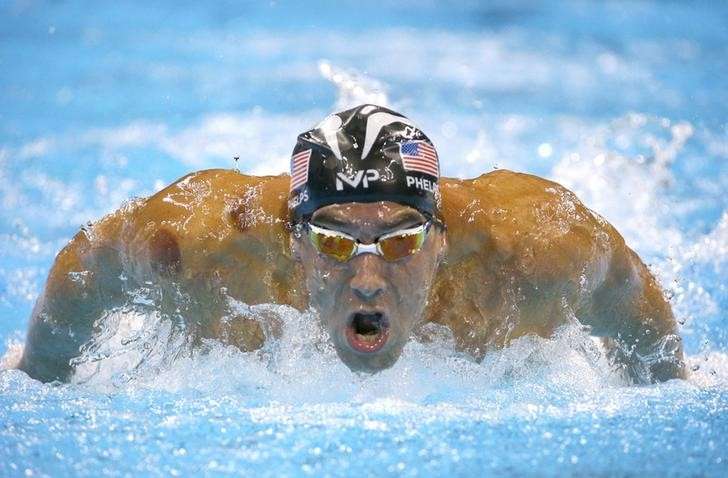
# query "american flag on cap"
(299, 168)
(419, 156)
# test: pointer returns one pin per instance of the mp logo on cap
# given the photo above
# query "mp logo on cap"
(362, 178)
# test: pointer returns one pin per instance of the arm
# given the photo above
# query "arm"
(527, 247)
(628, 310)
(75, 295)
(210, 236)
(580, 257)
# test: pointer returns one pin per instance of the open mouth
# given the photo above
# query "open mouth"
(367, 332)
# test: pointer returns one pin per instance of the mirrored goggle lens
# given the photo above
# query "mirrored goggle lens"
(397, 247)
(339, 247)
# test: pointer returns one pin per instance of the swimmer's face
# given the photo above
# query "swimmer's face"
(369, 305)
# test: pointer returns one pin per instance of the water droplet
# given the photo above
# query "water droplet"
(545, 150)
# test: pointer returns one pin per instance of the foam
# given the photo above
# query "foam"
(709, 369)
(143, 350)
(138, 351)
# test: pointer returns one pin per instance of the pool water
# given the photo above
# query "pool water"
(623, 102)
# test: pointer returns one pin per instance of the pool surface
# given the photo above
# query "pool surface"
(626, 103)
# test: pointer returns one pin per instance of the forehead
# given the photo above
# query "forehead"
(382, 214)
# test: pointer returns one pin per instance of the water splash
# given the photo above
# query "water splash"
(139, 348)
(353, 87)
(623, 170)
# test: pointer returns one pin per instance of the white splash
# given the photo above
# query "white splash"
(13, 353)
(138, 349)
(353, 87)
(622, 171)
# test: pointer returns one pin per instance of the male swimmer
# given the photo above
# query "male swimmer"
(365, 233)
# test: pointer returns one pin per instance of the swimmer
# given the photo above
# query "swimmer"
(365, 233)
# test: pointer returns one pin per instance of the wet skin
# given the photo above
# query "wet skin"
(368, 284)
(523, 256)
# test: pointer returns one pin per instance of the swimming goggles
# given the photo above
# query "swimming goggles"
(391, 246)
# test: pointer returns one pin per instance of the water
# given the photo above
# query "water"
(622, 102)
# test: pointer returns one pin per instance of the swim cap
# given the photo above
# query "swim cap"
(365, 154)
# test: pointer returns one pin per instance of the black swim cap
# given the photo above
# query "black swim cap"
(365, 154)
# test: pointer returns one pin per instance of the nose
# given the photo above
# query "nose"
(368, 280)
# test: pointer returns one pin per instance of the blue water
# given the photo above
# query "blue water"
(624, 102)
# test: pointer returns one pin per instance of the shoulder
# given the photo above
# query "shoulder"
(196, 218)
(506, 190)
(537, 226)
(208, 202)
(219, 185)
